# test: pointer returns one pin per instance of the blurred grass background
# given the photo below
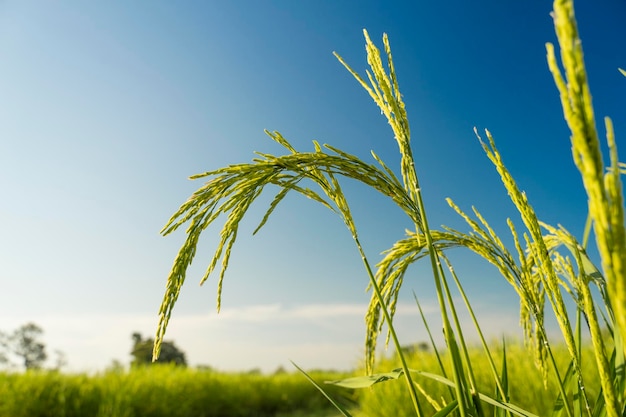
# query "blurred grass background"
(162, 390)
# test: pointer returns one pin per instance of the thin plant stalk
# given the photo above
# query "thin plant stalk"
(470, 310)
(464, 363)
(430, 336)
(392, 331)
(606, 203)
(339, 199)
(385, 92)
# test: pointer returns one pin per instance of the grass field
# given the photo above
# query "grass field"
(546, 266)
(169, 391)
(157, 391)
(525, 383)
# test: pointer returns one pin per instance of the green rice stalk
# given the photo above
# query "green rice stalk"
(537, 251)
(605, 200)
(464, 365)
(502, 381)
(461, 389)
(588, 274)
(339, 199)
(502, 393)
(231, 190)
(430, 337)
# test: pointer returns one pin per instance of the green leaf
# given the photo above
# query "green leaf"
(448, 409)
(504, 405)
(570, 387)
(367, 380)
(587, 266)
(504, 376)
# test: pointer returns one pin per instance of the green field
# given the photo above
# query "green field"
(157, 391)
(548, 267)
(525, 381)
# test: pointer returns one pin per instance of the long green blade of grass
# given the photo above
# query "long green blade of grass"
(338, 406)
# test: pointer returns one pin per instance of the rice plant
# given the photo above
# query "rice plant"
(524, 382)
(546, 265)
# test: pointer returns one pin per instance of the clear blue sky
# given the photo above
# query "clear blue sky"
(107, 107)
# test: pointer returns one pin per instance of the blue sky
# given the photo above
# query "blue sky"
(107, 107)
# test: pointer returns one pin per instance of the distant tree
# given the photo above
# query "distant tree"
(4, 348)
(416, 347)
(115, 366)
(280, 370)
(60, 360)
(142, 352)
(25, 343)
